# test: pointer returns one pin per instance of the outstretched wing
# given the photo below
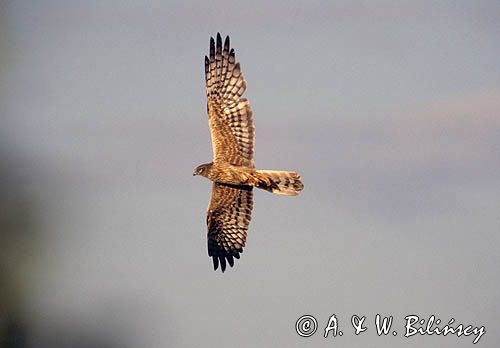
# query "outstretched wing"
(228, 216)
(229, 116)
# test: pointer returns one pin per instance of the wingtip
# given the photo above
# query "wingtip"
(223, 261)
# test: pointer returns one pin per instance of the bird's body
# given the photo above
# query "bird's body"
(227, 173)
(276, 181)
(232, 170)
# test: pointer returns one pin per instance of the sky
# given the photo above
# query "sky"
(390, 111)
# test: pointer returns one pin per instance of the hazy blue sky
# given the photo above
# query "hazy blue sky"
(390, 110)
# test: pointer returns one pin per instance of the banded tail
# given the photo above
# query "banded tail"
(279, 182)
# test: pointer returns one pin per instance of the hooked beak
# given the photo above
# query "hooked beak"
(194, 174)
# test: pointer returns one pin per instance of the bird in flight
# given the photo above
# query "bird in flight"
(232, 169)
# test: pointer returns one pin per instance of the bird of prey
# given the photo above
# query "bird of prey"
(232, 169)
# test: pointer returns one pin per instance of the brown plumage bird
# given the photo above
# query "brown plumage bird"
(232, 170)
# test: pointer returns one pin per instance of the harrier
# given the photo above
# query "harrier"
(232, 170)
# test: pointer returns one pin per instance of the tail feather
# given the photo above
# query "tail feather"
(279, 182)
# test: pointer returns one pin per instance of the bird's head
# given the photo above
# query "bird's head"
(202, 169)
